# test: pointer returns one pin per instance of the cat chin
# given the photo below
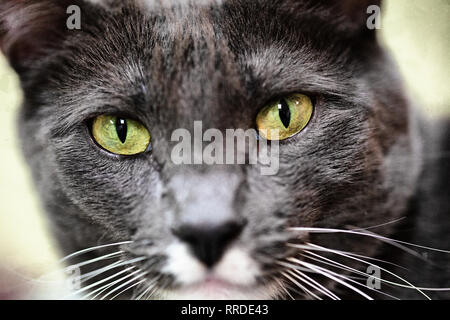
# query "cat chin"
(212, 292)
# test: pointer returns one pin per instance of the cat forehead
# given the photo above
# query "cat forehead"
(170, 3)
(151, 4)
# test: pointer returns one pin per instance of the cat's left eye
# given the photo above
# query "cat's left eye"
(120, 136)
(285, 117)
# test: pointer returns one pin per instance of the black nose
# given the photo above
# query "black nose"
(209, 244)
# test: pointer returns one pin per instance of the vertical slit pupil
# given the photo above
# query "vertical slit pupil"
(285, 113)
(121, 128)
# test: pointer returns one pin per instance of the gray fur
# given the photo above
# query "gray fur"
(357, 163)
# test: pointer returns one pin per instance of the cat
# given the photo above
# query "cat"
(367, 172)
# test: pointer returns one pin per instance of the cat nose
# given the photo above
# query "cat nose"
(209, 244)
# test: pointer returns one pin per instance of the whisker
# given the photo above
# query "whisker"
(368, 263)
(346, 278)
(366, 275)
(282, 263)
(130, 287)
(333, 264)
(124, 284)
(98, 271)
(77, 253)
(311, 284)
(330, 274)
(321, 288)
(301, 286)
(291, 287)
(100, 282)
(283, 288)
(99, 290)
(112, 266)
(400, 246)
(370, 234)
(147, 289)
(104, 257)
(347, 268)
(152, 292)
(307, 247)
(109, 285)
(379, 225)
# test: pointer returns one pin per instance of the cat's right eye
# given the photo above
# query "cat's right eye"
(120, 136)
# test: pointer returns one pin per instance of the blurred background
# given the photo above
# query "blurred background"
(417, 32)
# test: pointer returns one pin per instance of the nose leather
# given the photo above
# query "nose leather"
(209, 244)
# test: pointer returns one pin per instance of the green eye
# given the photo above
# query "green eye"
(120, 135)
(285, 118)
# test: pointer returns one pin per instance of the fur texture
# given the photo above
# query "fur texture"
(361, 162)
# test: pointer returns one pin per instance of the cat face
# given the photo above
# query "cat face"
(214, 231)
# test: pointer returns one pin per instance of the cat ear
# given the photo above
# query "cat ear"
(30, 29)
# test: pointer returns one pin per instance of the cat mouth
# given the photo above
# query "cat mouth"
(212, 291)
(214, 284)
(216, 288)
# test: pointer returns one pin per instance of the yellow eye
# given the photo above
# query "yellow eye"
(285, 118)
(120, 135)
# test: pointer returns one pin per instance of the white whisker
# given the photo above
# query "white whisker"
(379, 225)
(369, 234)
(317, 285)
(130, 287)
(301, 286)
(309, 283)
(99, 290)
(106, 256)
(307, 247)
(150, 286)
(366, 275)
(393, 243)
(75, 254)
(284, 288)
(331, 275)
(347, 268)
(109, 285)
(368, 263)
(100, 282)
(112, 266)
(333, 264)
(124, 284)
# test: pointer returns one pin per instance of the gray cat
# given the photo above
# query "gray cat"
(358, 208)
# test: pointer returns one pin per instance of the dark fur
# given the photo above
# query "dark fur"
(358, 163)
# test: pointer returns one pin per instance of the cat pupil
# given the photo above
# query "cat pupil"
(121, 128)
(285, 113)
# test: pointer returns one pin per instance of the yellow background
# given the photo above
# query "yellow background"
(416, 31)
